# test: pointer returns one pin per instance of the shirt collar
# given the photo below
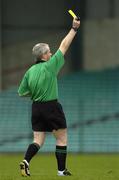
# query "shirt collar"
(39, 61)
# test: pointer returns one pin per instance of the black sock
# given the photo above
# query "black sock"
(61, 153)
(31, 151)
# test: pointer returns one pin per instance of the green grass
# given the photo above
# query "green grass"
(43, 167)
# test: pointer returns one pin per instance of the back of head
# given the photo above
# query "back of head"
(39, 49)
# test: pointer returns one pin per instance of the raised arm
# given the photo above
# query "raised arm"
(69, 37)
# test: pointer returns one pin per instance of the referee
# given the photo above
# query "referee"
(40, 84)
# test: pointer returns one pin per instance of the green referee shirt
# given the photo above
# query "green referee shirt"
(40, 81)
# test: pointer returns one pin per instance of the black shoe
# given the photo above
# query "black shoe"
(64, 173)
(24, 167)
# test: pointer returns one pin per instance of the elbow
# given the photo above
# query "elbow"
(20, 94)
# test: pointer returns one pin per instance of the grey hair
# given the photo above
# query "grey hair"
(40, 49)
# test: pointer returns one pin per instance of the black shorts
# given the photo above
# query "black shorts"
(47, 116)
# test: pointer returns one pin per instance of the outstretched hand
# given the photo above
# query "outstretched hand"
(76, 23)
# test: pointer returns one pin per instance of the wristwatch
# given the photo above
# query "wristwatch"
(75, 29)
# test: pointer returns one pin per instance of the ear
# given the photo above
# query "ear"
(44, 56)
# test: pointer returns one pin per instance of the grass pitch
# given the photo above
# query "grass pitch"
(43, 167)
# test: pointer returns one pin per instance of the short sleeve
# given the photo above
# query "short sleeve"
(56, 62)
(23, 88)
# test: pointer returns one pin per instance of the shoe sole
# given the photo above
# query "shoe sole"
(64, 175)
(22, 168)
